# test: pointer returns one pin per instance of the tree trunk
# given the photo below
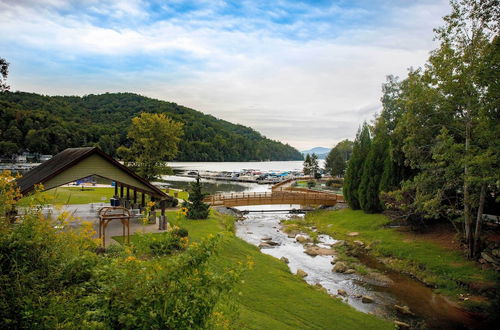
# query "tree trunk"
(467, 209)
(479, 220)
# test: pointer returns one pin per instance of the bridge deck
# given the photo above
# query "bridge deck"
(274, 197)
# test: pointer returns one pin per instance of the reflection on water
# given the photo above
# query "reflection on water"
(238, 166)
(214, 186)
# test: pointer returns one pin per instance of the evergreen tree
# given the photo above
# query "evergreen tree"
(314, 166)
(373, 167)
(307, 165)
(197, 209)
(354, 171)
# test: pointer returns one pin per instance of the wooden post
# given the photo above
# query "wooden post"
(143, 200)
(128, 193)
(116, 189)
(135, 196)
(121, 190)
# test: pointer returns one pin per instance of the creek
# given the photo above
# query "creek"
(435, 310)
(389, 289)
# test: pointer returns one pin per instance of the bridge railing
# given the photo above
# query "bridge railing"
(289, 196)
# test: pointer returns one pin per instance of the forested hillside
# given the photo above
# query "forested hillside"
(49, 124)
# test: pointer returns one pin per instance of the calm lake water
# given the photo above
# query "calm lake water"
(238, 166)
(213, 186)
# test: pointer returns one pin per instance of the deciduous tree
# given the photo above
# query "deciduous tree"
(155, 139)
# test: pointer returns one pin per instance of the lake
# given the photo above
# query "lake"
(238, 166)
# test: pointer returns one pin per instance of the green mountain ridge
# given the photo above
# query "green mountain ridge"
(49, 124)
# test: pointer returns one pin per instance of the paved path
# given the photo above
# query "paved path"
(88, 212)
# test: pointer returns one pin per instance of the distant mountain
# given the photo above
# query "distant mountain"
(321, 152)
(49, 124)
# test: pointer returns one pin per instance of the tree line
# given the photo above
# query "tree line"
(433, 152)
(49, 124)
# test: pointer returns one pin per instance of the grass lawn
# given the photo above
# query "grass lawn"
(448, 270)
(271, 297)
(75, 195)
(180, 193)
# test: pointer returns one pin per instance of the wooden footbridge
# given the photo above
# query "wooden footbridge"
(274, 197)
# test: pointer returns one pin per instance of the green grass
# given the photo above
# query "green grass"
(75, 195)
(180, 194)
(447, 269)
(270, 297)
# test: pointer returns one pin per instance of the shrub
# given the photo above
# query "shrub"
(311, 184)
(181, 232)
(54, 279)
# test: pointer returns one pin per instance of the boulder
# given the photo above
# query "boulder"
(352, 234)
(350, 271)
(266, 238)
(487, 257)
(403, 310)
(316, 250)
(359, 243)
(285, 260)
(367, 299)
(333, 262)
(496, 253)
(264, 245)
(342, 293)
(340, 267)
(302, 239)
(249, 233)
(401, 325)
(301, 273)
(272, 243)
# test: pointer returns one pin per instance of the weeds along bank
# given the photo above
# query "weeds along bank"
(446, 270)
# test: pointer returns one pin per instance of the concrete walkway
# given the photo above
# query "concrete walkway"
(88, 212)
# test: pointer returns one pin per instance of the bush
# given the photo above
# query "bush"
(311, 184)
(334, 183)
(54, 279)
(174, 202)
(181, 232)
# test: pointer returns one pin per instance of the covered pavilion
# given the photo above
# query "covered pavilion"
(75, 164)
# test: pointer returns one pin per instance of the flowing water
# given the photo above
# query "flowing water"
(434, 309)
(395, 289)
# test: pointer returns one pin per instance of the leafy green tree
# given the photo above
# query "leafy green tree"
(443, 122)
(355, 166)
(8, 148)
(155, 139)
(196, 208)
(336, 161)
(4, 72)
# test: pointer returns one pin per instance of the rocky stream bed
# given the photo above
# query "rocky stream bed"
(370, 288)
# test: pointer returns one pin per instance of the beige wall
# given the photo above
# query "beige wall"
(95, 165)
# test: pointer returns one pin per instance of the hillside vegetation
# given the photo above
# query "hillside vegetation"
(49, 124)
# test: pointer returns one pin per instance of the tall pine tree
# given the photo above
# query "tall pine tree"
(197, 209)
(373, 167)
(355, 167)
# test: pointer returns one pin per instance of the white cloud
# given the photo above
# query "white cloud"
(308, 92)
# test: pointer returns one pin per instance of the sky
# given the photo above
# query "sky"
(305, 73)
